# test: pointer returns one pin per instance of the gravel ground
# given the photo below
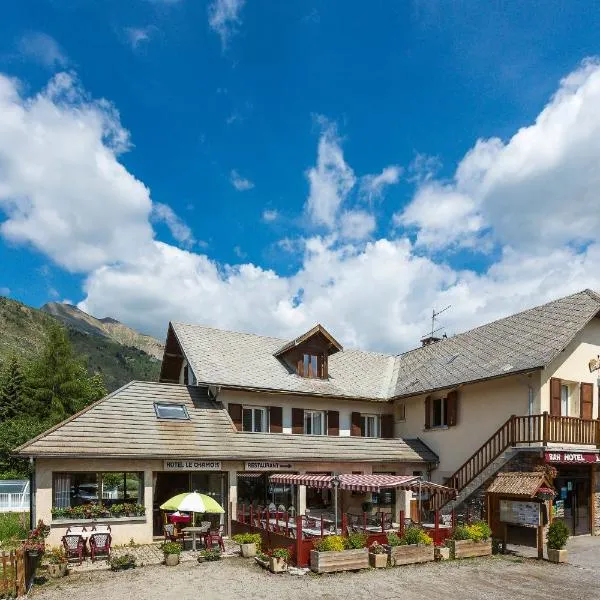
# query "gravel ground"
(495, 578)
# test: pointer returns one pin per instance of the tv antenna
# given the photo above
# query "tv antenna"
(434, 315)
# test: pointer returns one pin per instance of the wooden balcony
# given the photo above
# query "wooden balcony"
(530, 429)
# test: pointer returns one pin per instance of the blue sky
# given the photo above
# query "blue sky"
(266, 165)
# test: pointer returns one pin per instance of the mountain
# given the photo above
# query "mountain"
(24, 330)
(108, 327)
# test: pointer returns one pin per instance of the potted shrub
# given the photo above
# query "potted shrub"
(378, 556)
(171, 550)
(557, 536)
(278, 560)
(121, 563)
(471, 540)
(35, 544)
(335, 553)
(415, 546)
(57, 563)
(249, 543)
(262, 559)
(209, 556)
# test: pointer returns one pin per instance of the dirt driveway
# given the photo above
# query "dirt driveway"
(495, 578)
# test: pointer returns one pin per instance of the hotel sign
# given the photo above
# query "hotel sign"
(572, 457)
(267, 465)
(192, 465)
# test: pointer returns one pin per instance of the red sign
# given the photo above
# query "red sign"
(572, 457)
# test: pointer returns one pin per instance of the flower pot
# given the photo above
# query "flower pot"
(171, 560)
(277, 565)
(56, 570)
(378, 561)
(263, 563)
(557, 556)
(201, 559)
(442, 553)
(248, 550)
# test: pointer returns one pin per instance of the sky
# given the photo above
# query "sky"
(263, 166)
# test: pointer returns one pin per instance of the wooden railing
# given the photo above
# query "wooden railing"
(529, 429)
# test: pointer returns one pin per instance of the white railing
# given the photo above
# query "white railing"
(14, 502)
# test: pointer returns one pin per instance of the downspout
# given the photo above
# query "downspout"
(32, 494)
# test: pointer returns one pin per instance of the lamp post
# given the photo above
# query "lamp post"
(335, 482)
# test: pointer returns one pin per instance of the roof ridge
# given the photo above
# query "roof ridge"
(264, 337)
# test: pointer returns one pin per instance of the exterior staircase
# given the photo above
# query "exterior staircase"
(517, 432)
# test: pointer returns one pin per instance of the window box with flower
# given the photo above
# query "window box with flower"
(471, 540)
(415, 546)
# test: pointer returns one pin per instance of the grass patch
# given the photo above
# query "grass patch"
(13, 526)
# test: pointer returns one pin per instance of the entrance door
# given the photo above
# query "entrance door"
(574, 493)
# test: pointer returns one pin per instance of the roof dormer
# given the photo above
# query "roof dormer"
(308, 354)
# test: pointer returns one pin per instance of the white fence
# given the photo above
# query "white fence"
(14, 502)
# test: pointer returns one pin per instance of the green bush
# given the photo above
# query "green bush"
(415, 535)
(211, 555)
(281, 553)
(355, 541)
(120, 563)
(394, 539)
(248, 538)
(461, 533)
(479, 531)
(13, 526)
(171, 547)
(331, 543)
(557, 536)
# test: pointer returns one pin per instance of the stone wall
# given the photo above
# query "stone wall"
(596, 501)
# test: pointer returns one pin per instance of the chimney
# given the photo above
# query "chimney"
(431, 339)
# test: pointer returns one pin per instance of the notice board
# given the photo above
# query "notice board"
(517, 512)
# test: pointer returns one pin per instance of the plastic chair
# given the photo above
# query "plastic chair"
(100, 544)
(171, 533)
(74, 546)
(215, 535)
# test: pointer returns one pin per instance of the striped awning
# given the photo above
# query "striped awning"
(364, 483)
(249, 475)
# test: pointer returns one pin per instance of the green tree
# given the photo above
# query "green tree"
(58, 382)
(12, 389)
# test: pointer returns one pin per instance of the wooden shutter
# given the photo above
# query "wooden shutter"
(586, 394)
(355, 428)
(297, 420)
(321, 366)
(428, 412)
(235, 412)
(555, 396)
(301, 366)
(452, 408)
(333, 422)
(387, 426)
(276, 419)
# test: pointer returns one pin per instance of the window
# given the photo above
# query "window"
(311, 365)
(254, 419)
(564, 400)
(314, 422)
(439, 412)
(75, 489)
(176, 412)
(370, 425)
(400, 412)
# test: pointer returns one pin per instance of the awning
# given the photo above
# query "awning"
(249, 475)
(363, 483)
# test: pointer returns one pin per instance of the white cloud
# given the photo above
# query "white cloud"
(4, 291)
(138, 35)
(224, 18)
(270, 215)
(331, 180)
(42, 48)
(179, 230)
(62, 187)
(241, 184)
(538, 190)
(357, 224)
(372, 186)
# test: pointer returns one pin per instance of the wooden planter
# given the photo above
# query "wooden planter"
(346, 560)
(469, 548)
(557, 556)
(410, 554)
(277, 565)
(378, 561)
(248, 550)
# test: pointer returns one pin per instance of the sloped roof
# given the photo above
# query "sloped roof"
(318, 329)
(521, 342)
(124, 424)
(519, 483)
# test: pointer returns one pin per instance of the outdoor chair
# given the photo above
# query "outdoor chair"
(74, 545)
(215, 536)
(100, 529)
(172, 534)
(76, 530)
(100, 544)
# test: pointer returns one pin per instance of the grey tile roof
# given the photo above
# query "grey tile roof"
(124, 424)
(520, 342)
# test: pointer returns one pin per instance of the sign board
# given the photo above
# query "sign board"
(267, 465)
(558, 509)
(572, 457)
(522, 513)
(192, 465)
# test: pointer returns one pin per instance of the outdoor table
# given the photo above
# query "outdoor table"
(194, 531)
(432, 526)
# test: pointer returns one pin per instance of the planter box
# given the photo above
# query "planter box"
(346, 560)
(410, 554)
(442, 553)
(248, 550)
(263, 563)
(469, 548)
(277, 565)
(378, 561)
(171, 560)
(557, 556)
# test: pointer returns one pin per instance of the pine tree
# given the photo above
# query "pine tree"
(12, 390)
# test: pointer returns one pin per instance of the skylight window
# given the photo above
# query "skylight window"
(176, 412)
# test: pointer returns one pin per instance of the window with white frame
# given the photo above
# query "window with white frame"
(439, 412)
(314, 422)
(254, 419)
(370, 425)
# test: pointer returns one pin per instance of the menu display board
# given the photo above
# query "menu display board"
(522, 513)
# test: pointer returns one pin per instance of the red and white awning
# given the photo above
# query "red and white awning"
(363, 483)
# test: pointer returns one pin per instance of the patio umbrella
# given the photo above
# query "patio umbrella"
(193, 502)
